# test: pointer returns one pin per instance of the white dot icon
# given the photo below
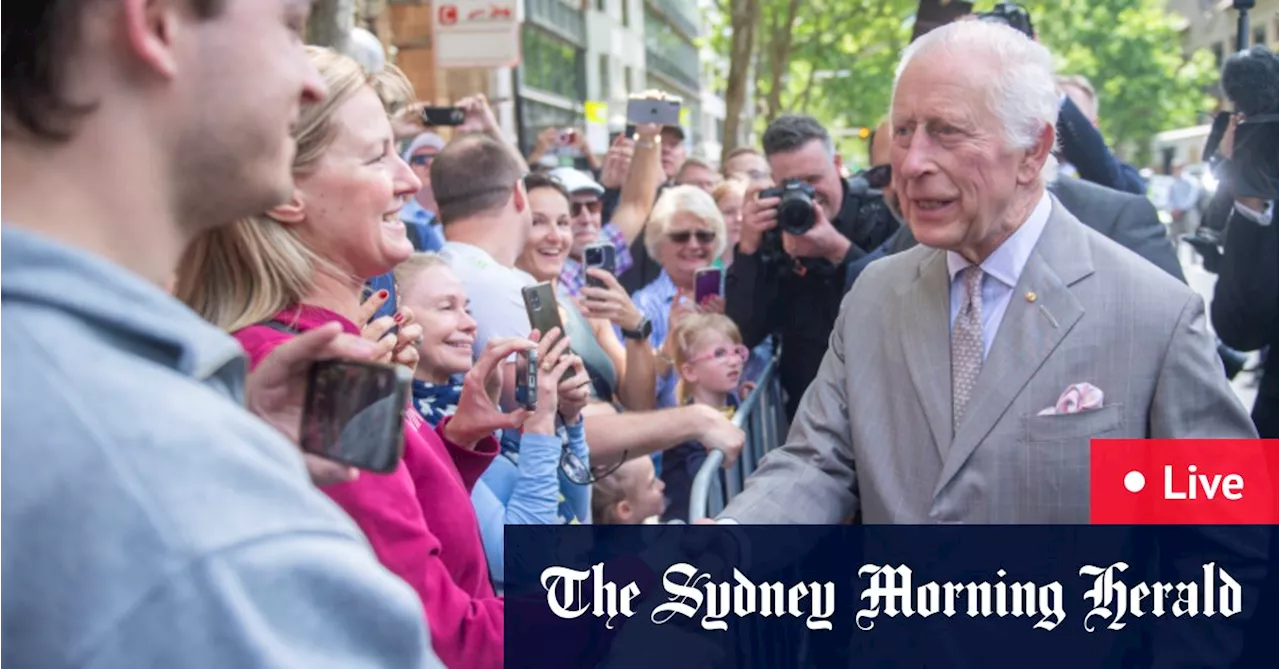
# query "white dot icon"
(1134, 481)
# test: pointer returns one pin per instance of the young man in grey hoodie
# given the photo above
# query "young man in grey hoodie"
(149, 519)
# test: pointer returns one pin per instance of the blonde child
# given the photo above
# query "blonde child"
(629, 495)
(708, 355)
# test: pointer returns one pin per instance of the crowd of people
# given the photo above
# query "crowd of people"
(279, 204)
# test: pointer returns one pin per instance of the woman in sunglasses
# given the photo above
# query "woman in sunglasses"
(686, 233)
(524, 485)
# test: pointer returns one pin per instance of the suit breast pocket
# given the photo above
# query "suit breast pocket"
(1084, 425)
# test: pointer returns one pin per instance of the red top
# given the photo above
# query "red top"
(419, 518)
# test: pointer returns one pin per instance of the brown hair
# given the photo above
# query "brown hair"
(36, 53)
(686, 335)
(473, 174)
(244, 273)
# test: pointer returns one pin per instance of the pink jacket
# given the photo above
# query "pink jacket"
(419, 518)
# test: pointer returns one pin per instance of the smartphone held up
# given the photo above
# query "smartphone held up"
(354, 413)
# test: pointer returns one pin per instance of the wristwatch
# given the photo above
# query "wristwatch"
(642, 331)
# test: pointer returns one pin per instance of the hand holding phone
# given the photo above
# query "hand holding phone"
(354, 413)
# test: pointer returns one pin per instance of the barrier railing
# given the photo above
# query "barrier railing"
(761, 416)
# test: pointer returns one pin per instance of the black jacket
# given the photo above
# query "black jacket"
(1244, 310)
(799, 305)
(1086, 150)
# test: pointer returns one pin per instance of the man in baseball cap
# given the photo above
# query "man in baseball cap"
(585, 217)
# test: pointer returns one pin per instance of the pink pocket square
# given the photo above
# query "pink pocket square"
(1076, 398)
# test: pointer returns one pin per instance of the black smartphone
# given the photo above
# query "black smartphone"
(354, 413)
(600, 256)
(708, 282)
(527, 379)
(544, 312)
(443, 116)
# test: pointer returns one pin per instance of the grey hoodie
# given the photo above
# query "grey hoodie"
(149, 520)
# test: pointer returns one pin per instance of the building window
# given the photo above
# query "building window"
(605, 92)
(628, 78)
(1260, 34)
(602, 6)
(1217, 54)
(626, 13)
(552, 64)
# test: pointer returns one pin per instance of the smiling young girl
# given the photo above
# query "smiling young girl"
(708, 356)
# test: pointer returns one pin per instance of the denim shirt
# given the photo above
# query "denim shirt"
(146, 514)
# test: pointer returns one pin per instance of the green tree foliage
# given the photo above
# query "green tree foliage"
(1129, 50)
(834, 59)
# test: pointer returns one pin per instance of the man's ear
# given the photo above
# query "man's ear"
(1034, 158)
(289, 213)
(519, 197)
(839, 162)
(150, 27)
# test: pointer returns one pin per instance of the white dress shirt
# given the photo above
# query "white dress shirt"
(1262, 218)
(1000, 271)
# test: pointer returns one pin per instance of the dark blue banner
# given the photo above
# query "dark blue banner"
(670, 597)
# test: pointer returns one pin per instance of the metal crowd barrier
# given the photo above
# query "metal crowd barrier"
(762, 417)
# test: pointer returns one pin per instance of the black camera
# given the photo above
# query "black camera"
(872, 222)
(1013, 15)
(795, 210)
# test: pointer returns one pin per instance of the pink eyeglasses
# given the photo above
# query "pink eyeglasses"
(722, 352)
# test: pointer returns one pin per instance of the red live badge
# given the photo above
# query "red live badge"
(1184, 482)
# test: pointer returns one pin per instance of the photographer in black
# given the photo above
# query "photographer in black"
(1244, 309)
(798, 238)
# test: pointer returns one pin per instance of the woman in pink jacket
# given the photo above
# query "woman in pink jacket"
(303, 266)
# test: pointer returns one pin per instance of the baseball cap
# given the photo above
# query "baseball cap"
(679, 130)
(424, 139)
(575, 181)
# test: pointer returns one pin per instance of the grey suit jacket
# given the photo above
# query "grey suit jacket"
(1127, 219)
(874, 429)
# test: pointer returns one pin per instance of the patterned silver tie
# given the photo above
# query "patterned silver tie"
(966, 344)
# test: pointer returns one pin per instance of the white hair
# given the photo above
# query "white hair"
(683, 200)
(1022, 94)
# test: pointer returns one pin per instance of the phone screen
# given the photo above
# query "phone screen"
(354, 413)
(707, 283)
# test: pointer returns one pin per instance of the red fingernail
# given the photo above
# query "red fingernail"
(398, 317)
(382, 294)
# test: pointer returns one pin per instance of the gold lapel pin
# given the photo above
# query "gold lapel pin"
(1031, 296)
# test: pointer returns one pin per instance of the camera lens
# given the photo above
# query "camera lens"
(536, 301)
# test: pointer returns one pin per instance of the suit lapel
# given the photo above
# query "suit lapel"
(926, 335)
(1028, 333)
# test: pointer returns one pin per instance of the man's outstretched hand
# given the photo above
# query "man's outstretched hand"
(276, 389)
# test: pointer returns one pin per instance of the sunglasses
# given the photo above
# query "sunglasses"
(878, 176)
(421, 159)
(579, 473)
(722, 352)
(575, 208)
(683, 236)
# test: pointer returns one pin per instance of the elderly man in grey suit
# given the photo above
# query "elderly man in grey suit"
(940, 399)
